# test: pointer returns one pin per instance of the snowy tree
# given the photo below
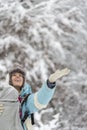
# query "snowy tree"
(45, 36)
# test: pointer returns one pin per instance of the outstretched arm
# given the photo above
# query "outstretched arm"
(45, 94)
(41, 98)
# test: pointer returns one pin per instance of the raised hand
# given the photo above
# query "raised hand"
(58, 74)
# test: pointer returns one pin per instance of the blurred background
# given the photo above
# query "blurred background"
(45, 35)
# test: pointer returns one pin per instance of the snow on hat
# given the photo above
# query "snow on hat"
(17, 68)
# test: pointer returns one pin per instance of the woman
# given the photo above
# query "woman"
(13, 94)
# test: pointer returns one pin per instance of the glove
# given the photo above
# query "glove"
(1, 108)
(58, 74)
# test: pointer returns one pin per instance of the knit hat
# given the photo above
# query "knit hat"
(17, 68)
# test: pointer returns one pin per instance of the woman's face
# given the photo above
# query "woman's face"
(17, 80)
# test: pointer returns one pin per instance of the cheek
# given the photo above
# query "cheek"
(12, 78)
(22, 79)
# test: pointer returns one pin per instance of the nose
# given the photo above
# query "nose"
(17, 75)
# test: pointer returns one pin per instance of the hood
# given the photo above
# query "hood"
(8, 92)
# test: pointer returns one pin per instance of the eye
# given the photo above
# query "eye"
(13, 74)
(17, 74)
(20, 75)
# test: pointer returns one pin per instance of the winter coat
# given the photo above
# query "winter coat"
(9, 119)
(36, 101)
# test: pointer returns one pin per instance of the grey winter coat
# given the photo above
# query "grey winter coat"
(10, 116)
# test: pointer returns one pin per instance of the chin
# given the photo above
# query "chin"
(17, 85)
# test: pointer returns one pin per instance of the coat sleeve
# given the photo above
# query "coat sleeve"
(40, 99)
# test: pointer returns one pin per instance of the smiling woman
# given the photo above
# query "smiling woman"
(17, 76)
(18, 95)
(17, 80)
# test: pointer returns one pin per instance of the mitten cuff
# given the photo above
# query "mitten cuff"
(51, 85)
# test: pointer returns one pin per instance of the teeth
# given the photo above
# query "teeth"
(17, 80)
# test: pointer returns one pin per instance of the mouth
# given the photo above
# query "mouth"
(17, 80)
